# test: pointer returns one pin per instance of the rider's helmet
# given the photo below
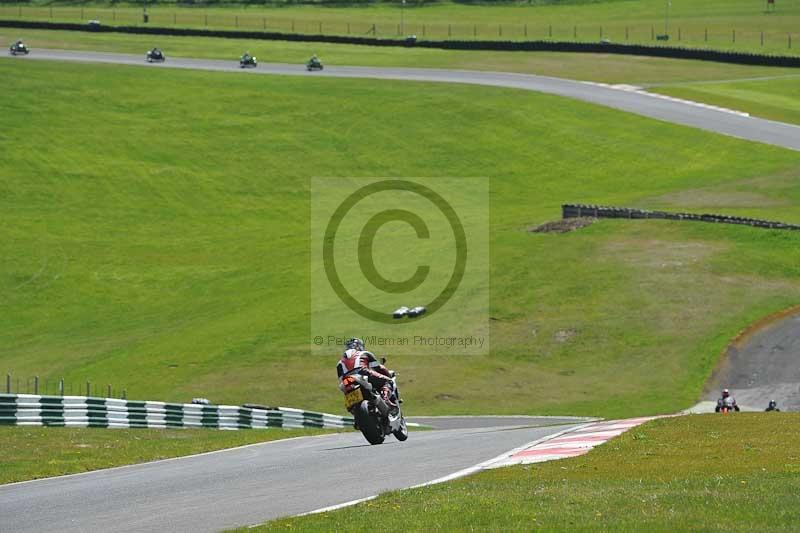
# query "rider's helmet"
(354, 344)
(725, 393)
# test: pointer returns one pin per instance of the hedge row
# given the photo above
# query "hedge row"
(597, 211)
(723, 56)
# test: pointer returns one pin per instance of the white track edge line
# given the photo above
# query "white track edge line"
(645, 92)
(334, 507)
(455, 475)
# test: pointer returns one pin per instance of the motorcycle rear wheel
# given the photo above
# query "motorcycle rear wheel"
(369, 426)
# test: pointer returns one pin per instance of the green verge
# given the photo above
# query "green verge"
(606, 68)
(705, 472)
(775, 98)
(36, 452)
(155, 237)
(722, 24)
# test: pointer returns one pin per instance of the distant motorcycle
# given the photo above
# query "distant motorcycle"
(314, 64)
(155, 56)
(18, 49)
(248, 61)
(726, 405)
(371, 413)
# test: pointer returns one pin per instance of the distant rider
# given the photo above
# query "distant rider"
(356, 359)
(773, 406)
(726, 401)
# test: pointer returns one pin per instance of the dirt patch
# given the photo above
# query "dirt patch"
(564, 225)
(658, 254)
(444, 397)
(563, 335)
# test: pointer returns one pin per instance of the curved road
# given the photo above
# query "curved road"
(642, 103)
(253, 484)
(765, 366)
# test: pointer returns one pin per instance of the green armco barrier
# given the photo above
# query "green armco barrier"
(83, 411)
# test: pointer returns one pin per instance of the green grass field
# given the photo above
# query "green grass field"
(156, 237)
(607, 68)
(730, 24)
(775, 98)
(34, 452)
(706, 472)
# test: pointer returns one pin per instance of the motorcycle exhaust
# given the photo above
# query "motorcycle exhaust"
(382, 407)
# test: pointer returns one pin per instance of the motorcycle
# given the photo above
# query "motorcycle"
(314, 64)
(155, 56)
(371, 413)
(18, 49)
(726, 405)
(248, 62)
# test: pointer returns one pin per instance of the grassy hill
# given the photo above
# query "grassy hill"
(155, 236)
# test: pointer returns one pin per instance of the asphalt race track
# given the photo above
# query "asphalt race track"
(466, 422)
(765, 367)
(252, 484)
(703, 117)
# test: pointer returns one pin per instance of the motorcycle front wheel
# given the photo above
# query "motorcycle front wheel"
(402, 433)
(369, 425)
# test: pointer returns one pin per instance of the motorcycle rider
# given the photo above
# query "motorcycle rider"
(356, 358)
(246, 57)
(773, 406)
(726, 400)
(314, 60)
